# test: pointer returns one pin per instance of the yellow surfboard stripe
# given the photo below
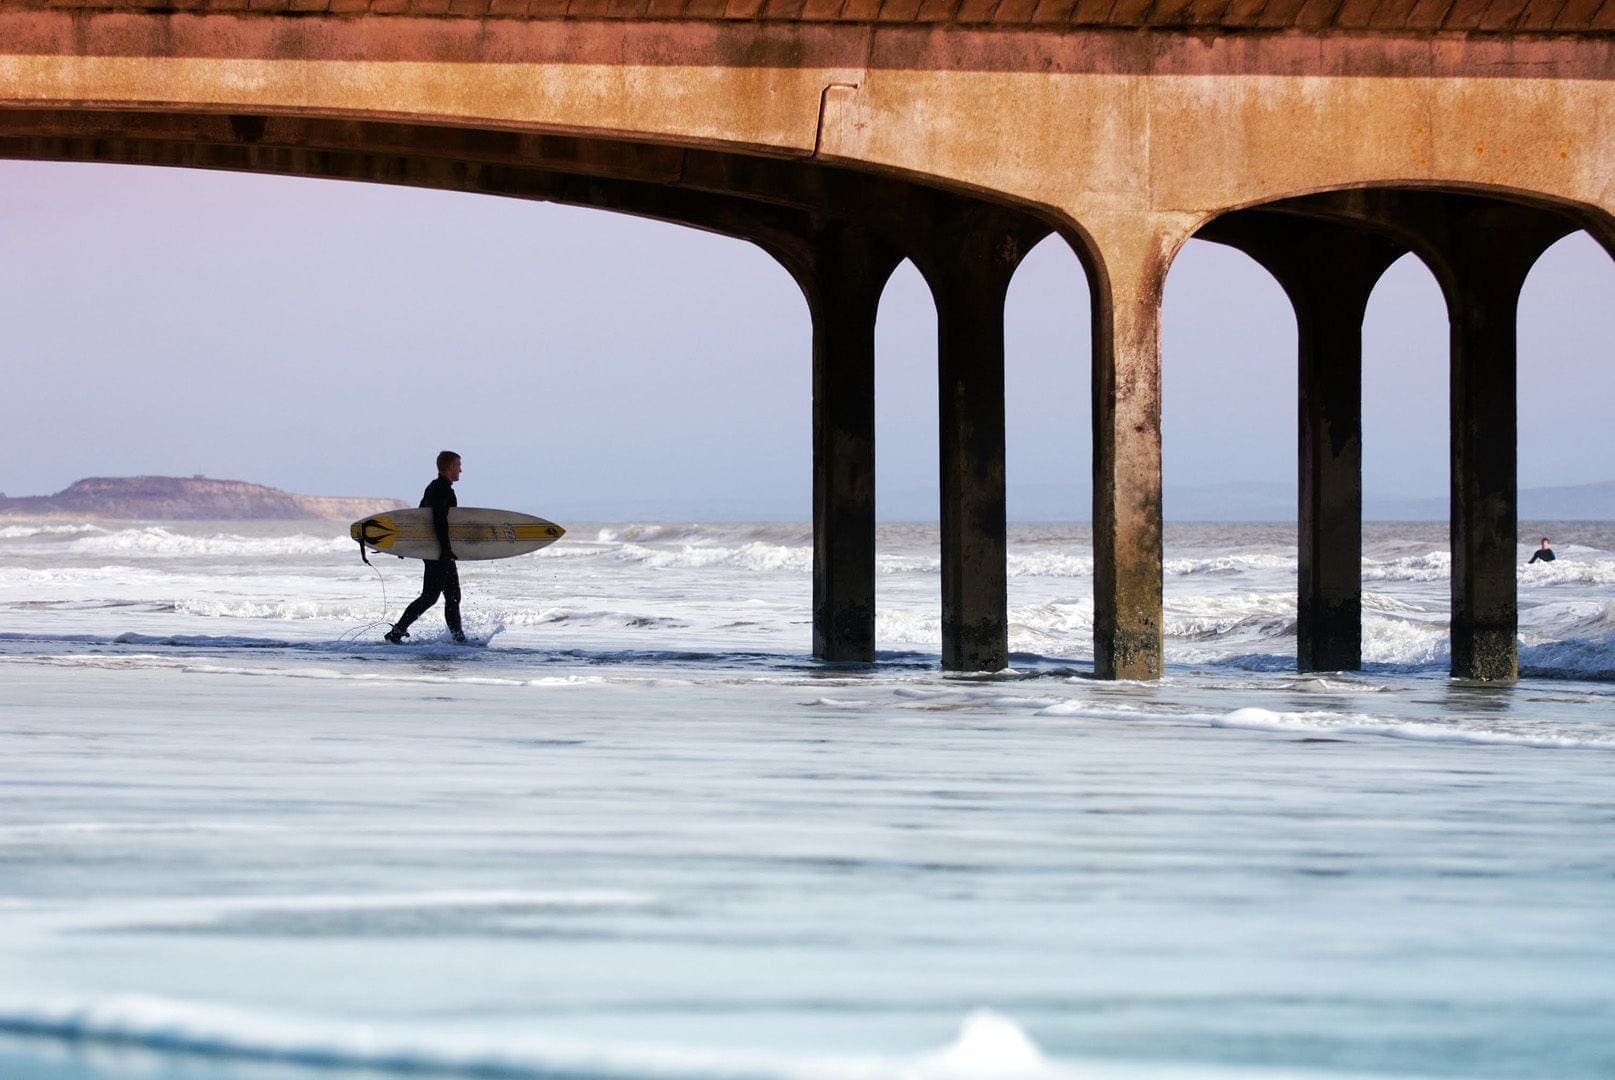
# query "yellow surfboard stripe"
(381, 532)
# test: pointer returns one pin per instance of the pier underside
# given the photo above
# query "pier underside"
(843, 149)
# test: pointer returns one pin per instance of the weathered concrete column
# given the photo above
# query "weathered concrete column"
(1487, 254)
(968, 265)
(1328, 272)
(849, 271)
(1480, 250)
(970, 374)
(1127, 450)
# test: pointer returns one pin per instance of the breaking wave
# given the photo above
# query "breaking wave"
(757, 555)
(1545, 735)
(1426, 566)
(25, 532)
(988, 1046)
(276, 609)
(1224, 565)
(156, 541)
(1569, 572)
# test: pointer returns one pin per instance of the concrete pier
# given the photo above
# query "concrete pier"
(1480, 250)
(1486, 251)
(968, 257)
(1328, 272)
(970, 379)
(850, 271)
(1127, 458)
(1472, 134)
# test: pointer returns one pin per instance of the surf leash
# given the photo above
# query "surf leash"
(353, 633)
(364, 534)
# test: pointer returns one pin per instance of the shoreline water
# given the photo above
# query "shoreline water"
(640, 827)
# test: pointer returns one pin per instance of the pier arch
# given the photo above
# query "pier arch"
(1329, 250)
(1048, 452)
(1550, 382)
(839, 235)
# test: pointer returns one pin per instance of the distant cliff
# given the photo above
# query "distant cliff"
(196, 498)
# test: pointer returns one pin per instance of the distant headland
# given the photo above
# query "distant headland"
(180, 498)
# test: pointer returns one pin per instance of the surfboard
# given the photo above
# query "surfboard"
(474, 533)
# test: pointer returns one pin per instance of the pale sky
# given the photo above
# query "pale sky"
(329, 338)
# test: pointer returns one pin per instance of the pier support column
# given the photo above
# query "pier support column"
(1487, 254)
(968, 265)
(1328, 272)
(1480, 250)
(1127, 452)
(849, 270)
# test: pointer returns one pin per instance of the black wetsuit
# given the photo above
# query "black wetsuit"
(442, 577)
(1545, 554)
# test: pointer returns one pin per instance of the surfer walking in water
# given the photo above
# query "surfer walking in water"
(442, 576)
(1545, 553)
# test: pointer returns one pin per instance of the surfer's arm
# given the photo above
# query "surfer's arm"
(440, 526)
(439, 497)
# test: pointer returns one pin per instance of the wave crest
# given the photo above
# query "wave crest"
(1537, 736)
(988, 1046)
(156, 541)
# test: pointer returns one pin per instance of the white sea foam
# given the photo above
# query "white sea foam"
(1585, 658)
(1586, 620)
(900, 627)
(784, 549)
(1050, 564)
(989, 1046)
(1536, 736)
(1566, 571)
(655, 532)
(1404, 642)
(1200, 618)
(989, 1043)
(67, 576)
(907, 564)
(755, 556)
(1386, 604)
(1223, 565)
(23, 532)
(303, 670)
(1426, 566)
(636, 620)
(277, 609)
(158, 542)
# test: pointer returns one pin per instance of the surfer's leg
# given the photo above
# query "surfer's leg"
(431, 589)
(451, 599)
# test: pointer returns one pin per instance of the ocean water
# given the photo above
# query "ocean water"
(633, 830)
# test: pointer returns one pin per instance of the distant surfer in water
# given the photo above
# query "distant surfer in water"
(442, 576)
(1545, 553)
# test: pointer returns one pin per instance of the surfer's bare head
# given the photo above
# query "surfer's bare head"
(448, 465)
